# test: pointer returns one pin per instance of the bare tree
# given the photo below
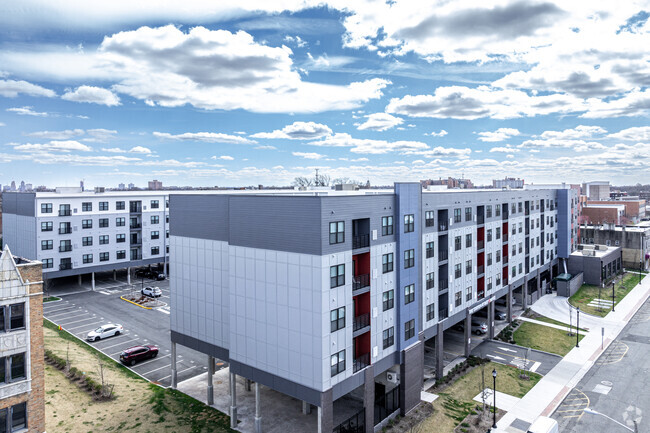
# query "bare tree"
(107, 389)
(303, 181)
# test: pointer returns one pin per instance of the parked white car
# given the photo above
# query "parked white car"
(105, 331)
(152, 292)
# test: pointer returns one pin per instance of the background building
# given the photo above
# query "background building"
(598, 190)
(633, 211)
(598, 263)
(22, 403)
(450, 182)
(633, 240)
(508, 182)
(155, 185)
(609, 213)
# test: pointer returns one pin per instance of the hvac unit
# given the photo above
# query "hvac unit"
(392, 376)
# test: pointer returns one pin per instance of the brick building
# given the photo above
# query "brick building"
(22, 404)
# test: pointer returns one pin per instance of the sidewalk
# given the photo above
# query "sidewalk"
(546, 396)
(550, 325)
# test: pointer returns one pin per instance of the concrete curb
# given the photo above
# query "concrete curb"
(54, 301)
(523, 347)
(131, 302)
(587, 314)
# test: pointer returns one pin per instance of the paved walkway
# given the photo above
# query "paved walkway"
(544, 398)
(550, 325)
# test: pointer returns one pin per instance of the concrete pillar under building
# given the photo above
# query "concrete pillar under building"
(248, 385)
(326, 412)
(128, 276)
(306, 408)
(174, 378)
(79, 279)
(524, 294)
(258, 409)
(233, 400)
(92, 280)
(491, 319)
(369, 398)
(114, 275)
(468, 334)
(539, 286)
(440, 365)
(509, 304)
(210, 385)
(411, 377)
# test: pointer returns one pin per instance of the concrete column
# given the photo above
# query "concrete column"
(210, 386)
(79, 279)
(128, 276)
(233, 400)
(306, 408)
(509, 304)
(258, 409)
(411, 374)
(491, 320)
(539, 286)
(440, 365)
(114, 275)
(468, 333)
(174, 377)
(92, 281)
(326, 412)
(524, 293)
(369, 398)
(248, 385)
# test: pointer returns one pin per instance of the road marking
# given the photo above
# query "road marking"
(615, 353)
(498, 358)
(65, 325)
(52, 310)
(577, 400)
(156, 369)
(118, 344)
(535, 366)
(59, 314)
(506, 349)
(151, 360)
(80, 326)
(177, 374)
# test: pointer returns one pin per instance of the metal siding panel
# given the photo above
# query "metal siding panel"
(199, 216)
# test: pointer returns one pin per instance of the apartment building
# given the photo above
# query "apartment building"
(22, 397)
(633, 240)
(74, 233)
(320, 294)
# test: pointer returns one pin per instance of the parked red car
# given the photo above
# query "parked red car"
(138, 353)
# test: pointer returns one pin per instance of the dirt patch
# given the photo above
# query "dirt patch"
(478, 422)
(412, 422)
(144, 301)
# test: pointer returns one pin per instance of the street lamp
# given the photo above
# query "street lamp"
(494, 394)
(613, 295)
(593, 412)
(578, 327)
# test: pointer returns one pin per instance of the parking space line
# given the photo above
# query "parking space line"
(66, 307)
(65, 325)
(81, 326)
(118, 344)
(151, 360)
(156, 369)
(177, 374)
(59, 314)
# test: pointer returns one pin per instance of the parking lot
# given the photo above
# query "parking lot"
(82, 311)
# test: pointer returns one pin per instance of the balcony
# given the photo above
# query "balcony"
(135, 209)
(480, 270)
(442, 227)
(361, 362)
(505, 237)
(136, 256)
(480, 219)
(505, 260)
(65, 231)
(65, 212)
(135, 226)
(443, 314)
(65, 266)
(361, 321)
(360, 281)
(65, 249)
(360, 241)
(480, 245)
(443, 255)
(443, 284)
(136, 242)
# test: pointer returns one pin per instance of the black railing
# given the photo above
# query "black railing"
(361, 321)
(66, 212)
(136, 226)
(443, 254)
(505, 237)
(480, 270)
(65, 231)
(136, 256)
(355, 424)
(360, 241)
(386, 405)
(443, 314)
(65, 266)
(505, 260)
(443, 284)
(480, 245)
(442, 227)
(480, 295)
(65, 249)
(136, 242)
(361, 362)
(360, 281)
(135, 209)
(480, 219)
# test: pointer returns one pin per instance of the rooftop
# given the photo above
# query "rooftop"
(594, 250)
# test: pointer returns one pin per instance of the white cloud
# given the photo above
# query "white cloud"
(224, 157)
(308, 155)
(265, 147)
(442, 151)
(140, 149)
(577, 145)
(298, 131)
(27, 111)
(635, 103)
(295, 40)
(54, 145)
(2, 124)
(380, 122)
(361, 145)
(12, 88)
(113, 150)
(504, 149)
(637, 133)
(500, 134)
(57, 135)
(580, 131)
(100, 135)
(93, 95)
(442, 133)
(206, 137)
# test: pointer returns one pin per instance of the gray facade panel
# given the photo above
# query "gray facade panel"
(19, 203)
(101, 268)
(199, 216)
(201, 346)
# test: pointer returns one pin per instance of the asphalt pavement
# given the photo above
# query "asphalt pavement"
(517, 356)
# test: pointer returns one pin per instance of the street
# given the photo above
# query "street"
(520, 357)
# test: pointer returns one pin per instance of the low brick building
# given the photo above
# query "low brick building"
(22, 396)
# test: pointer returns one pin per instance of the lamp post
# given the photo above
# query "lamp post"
(577, 327)
(613, 295)
(599, 297)
(494, 394)
(593, 412)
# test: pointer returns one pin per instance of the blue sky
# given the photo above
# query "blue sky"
(259, 92)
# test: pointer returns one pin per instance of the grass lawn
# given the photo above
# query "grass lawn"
(534, 315)
(587, 293)
(139, 406)
(455, 402)
(51, 298)
(544, 338)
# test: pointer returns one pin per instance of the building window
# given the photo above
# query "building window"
(430, 280)
(46, 207)
(65, 246)
(86, 224)
(431, 312)
(514, 271)
(337, 276)
(458, 299)
(458, 271)
(47, 245)
(387, 263)
(120, 222)
(155, 251)
(513, 208)
(498, 280)
(514, 229)
(119, 205)
(337, 319)
(520, 227)
(48, 263)
(103, 205)
(468, 267)
(14, 418)
(119, 238)
(488, 211)
(388, 300)
(87, 241)
(47, 226)
(468, 240)
(103, 222)
(155, 235)
(409, 329)
(514, 250)
(87, 258)
(167, 234)
(489, 283)
(521, 207)
(389, 337)
(167, 218)
(489, 259)
(103, 240)
(409, 258)
(457, 243)
(520, 247)
(155, 219)
(468, 214)
(457, 215)
(498, 233)
(120, 255)
(428, 218)
(65, 263)
(429, 250)
(104, 257)
(520, 268)
(338, 363)
(497, 210)
(386, 225)
(155, 204)
(468, 294)
(409, 294)
(409, 223)
(86, 207)
(12, 317)
(498, 253)
(337, 232)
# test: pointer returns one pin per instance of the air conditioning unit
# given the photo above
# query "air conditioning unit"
(392, 376)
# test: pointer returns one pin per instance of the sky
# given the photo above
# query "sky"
(248, 92)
